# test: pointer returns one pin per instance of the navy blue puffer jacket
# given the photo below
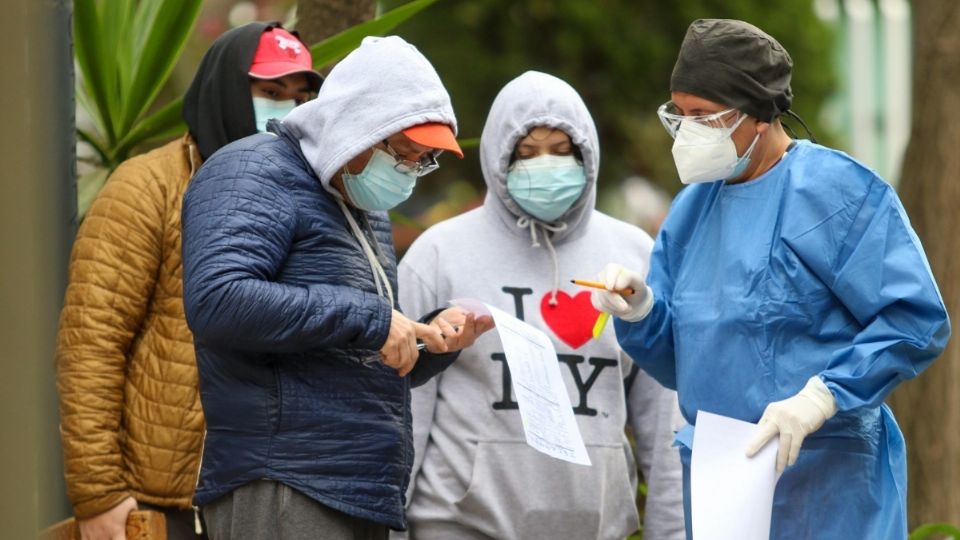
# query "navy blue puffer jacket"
(284, 308)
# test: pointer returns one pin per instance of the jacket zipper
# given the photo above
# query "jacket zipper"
(197, 524)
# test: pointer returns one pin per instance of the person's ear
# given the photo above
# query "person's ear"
(762, 126)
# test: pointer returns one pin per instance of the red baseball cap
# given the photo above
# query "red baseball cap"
(435, 135)
(281, 53)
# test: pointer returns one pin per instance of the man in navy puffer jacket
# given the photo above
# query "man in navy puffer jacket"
(289, 288)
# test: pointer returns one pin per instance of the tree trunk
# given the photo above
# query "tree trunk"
(320, 19)
(928, 408)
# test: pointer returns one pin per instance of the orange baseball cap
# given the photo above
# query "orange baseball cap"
(435, 135)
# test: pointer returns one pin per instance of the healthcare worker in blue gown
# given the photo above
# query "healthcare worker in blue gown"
(786, 287)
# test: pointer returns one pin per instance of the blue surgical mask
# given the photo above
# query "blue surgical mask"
(546, 186)
(265, 108)
(379, 186)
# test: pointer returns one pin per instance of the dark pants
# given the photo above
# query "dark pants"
(268, 509)
(181, 524)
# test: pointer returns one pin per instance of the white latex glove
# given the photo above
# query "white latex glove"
(794, 418)
(629, 307)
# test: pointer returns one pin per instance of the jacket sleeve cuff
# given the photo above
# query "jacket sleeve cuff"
(94, 507)
(379, 328)
(430, 364)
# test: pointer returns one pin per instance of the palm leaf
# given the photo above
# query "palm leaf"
(121, 43)
(168, 28)
(94, 68)
(164, 123)
(115, 19)
(94, 143)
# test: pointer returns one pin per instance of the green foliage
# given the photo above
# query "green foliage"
(617, 53)
(126, 50)
(935, 530)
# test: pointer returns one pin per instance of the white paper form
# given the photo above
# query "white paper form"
(731, 494)
(545, 409)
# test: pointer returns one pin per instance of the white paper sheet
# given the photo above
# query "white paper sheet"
(545, 409)
(731, 494)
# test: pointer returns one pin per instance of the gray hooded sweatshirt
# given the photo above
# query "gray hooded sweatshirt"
(474, 476)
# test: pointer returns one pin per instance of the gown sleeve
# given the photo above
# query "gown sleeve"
(877, 269)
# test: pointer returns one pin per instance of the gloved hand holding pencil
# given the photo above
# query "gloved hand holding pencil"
(623, 293)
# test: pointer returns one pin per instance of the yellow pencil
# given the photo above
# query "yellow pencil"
(597, 285)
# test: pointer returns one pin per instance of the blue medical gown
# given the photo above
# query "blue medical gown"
(810, 269)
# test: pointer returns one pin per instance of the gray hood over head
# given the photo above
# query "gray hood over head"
(537, 99)
(381, 88)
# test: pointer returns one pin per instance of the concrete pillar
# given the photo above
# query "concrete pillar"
(37, 212)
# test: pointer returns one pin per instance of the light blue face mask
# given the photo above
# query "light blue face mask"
(379, 186)
(265, 108)
(546, 186)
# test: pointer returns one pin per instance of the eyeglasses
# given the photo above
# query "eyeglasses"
(426, 165)
(671, 119)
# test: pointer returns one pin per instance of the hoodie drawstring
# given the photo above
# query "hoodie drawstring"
(524, 222)
(379, 276)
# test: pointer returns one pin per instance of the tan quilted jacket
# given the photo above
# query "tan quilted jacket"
(131, 422)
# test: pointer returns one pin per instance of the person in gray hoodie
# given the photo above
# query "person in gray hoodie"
(289, 277)
(473, 476)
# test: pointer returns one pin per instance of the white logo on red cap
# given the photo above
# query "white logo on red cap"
(285, 44)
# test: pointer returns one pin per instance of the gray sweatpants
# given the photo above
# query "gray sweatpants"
(181, 524)
(268, 509)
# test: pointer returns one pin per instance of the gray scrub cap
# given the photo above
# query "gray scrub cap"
(736, 64)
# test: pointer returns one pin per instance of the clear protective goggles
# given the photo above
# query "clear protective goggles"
(671, 119)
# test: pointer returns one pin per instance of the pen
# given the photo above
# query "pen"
(597, 285)
(377, 358)
(421, 345)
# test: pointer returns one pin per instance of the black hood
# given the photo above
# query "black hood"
(218, 107)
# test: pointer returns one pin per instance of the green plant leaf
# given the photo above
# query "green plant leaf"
(166, 122)
(115, 20)
(336, 47)
(119, 41)
(94, 68)
(88, 185)
(144, 18)
(167, 35)
(925, 531)
(95, 143)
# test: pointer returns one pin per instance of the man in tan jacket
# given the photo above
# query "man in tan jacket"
(131, 422)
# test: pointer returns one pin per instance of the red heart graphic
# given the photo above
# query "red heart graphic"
(572, 319)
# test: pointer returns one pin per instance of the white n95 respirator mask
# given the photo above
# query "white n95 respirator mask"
(707, 154)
